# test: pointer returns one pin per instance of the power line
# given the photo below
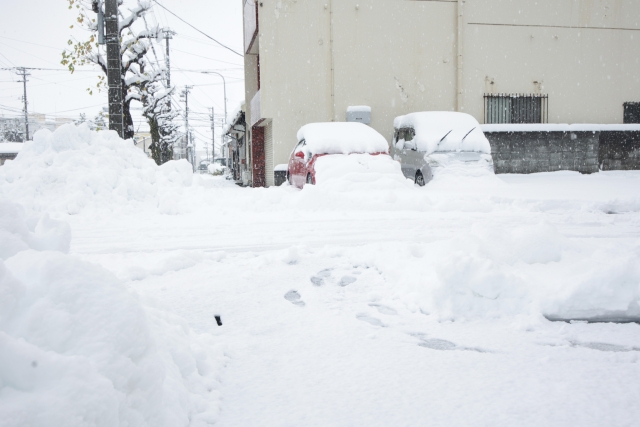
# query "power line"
(201, 32)
(48, 69)
(26, 53)
(35, 44)
(7, 59)
(204, 57)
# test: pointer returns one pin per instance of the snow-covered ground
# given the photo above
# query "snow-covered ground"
(341, 305)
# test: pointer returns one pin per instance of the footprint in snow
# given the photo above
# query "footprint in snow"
(318, 279)
(443, 345)
(346, 280)
(601, 346)
(383, 309)
(370, 320)
(437, 344)
(294, 298)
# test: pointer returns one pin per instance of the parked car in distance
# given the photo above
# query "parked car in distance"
(203, 167)
(318, 140)
(425, 141)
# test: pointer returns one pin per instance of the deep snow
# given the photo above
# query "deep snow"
(341, 305)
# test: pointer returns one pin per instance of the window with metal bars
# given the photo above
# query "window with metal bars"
(516, 108)
(632, 112)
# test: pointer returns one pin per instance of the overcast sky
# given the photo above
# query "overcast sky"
(33, 33)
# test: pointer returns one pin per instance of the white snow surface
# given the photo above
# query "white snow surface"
(444, 131)
(74, 169)
(559, 127)
(359, 172)
(10, 147)
(342, 138)
(363, 300)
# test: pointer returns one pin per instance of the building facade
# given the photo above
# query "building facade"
(502, 61)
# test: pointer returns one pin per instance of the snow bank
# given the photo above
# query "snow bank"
(358, 172)
(490, 272)
(78, 349)
(341, 138)
(19, 232)
(10, 147)
(444, 131)
(75, 168)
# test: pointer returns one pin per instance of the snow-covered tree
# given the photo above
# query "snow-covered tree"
(142, 74)
(99, 122)
(164, 132)
(12, 130)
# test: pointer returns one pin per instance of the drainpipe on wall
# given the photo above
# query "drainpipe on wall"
(333, 95)
(460, 61)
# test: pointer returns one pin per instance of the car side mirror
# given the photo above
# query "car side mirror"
(300, 154)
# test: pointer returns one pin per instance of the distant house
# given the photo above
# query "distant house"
(9, 151)
(143, 141)
(236, 152)
(502, 61)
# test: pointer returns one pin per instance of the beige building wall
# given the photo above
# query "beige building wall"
(584, 53)
(317, 57)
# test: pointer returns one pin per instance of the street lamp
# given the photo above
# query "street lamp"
(224, 82)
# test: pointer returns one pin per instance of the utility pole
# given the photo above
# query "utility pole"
(168, 35)
(114, 66)
(213, 136)
(23, 72)
(185, 97)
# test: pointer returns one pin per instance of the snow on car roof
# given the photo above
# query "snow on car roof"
(342, 138)
(445, 131)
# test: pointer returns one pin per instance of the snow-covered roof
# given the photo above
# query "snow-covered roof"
(558, 127)
(233, 117)
(10, 147)
(445, 131)
(342, 138)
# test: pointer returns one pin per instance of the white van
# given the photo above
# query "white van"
(423, 142)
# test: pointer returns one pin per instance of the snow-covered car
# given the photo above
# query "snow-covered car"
(423, 142)
(337, 148)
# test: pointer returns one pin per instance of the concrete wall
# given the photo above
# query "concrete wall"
(544, 151)
(619, 151)
(531, 152)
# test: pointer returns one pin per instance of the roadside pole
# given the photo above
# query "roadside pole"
(23, 72)
(114, 67)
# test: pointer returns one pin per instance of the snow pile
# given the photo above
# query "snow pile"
(341, 138)
(358, 172)
(19, 232)
(74, 168)
(10, 147)
(491, 272)
(444, 131)
(76, 348)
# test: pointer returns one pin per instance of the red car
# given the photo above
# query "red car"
(317, 140)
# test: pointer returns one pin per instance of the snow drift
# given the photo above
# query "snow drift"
(78, 349)
(74, 168)
(359, 172)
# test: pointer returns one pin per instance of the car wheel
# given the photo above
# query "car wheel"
(420, 179)
(289, 178)
(309, 179)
